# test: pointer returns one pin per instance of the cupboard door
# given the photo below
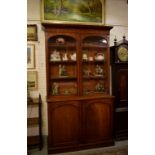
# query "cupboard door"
(121, 102)
(121, 86)
(98, 120)
(64, 122)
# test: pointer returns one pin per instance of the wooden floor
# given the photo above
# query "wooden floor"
(120, 148)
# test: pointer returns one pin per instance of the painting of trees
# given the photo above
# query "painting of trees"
(91, 6)
(73, 10)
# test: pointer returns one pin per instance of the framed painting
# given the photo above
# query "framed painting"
(30, 56)
(32, 33)
(32, 80)
(89, 12)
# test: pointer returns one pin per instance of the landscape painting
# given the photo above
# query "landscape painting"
(73, 11)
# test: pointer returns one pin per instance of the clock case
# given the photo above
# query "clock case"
(114, 50)
(119, 74)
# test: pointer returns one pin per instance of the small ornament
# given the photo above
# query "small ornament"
(86, 91)
(99, 56)
(62, 70)
(60, 40)
(99, 87)
(55, 87)
(98, 71)
(66, 92)
(85, 56)
(90, 58)
(87, 72)
(73, 56)
(55, 56)
(65, 58)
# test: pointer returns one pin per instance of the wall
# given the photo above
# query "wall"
(116, 15)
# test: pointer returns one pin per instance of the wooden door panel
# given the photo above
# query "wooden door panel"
(98, 121)
(65, 124)
(122, 87)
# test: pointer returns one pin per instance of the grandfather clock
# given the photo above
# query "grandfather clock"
(119, 66)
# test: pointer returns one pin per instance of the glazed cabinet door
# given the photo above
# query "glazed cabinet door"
(94, 65)
(64, 124)
(62, 66)
(98, 116)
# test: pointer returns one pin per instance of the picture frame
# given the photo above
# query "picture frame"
(71, 12)
(32, 33)
(32, 80)
(30, 56)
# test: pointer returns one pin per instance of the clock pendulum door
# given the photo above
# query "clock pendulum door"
(119, 65)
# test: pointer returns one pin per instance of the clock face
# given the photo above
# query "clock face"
(122, 54)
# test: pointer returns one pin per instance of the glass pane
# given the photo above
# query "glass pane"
(63, 88)
(62, 65)
(93, 65)
(96, 86)
(95, 40)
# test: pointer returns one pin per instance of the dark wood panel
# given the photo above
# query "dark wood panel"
(120, 91)
(73, 27)
(64, 123)
(122, 86)
(80, 146)
(97, 120)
